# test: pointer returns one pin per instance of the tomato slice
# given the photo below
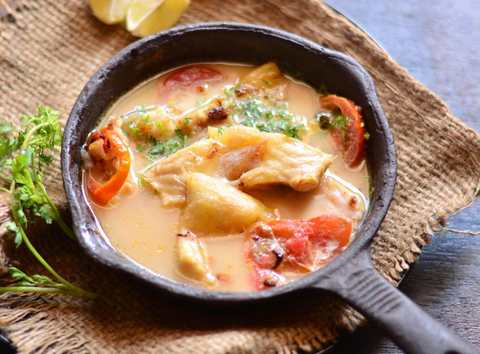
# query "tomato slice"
(290, 228)
(191, 75)
(294, 245)
(351, 142)
(102, 192)
(331, 227)
(324, 227)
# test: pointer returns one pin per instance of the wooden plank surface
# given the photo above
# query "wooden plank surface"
(438, 42)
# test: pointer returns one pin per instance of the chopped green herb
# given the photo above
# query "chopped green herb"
(330, 120)
(146, 119)
(132, 129)
(339, 122)
(141, 126)
(270, 118)
(160, 125)
(229, 91)
(366, 135)
(221, 130)
(169, 146)
(293, 131)
(187, 120)
(141, 147)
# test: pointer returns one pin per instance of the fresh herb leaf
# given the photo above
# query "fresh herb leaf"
(169, 146)
(21, 278)
(293, 131)
(187, 121)
(24, 154)
(13, 228)
(270, 118)
(5, 128)
(339, 122)
(331, 120)
(7, 143)
(22, 282)
(159, 125)
(232, 91)
(29, 193)
(41, 133)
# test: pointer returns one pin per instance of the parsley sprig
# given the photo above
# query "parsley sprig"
(24, 154)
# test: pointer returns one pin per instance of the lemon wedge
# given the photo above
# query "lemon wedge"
(145, 17)
(110, 11)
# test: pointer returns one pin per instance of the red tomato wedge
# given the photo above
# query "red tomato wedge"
(294, 245)
(330, 227)
(290, 228)
(351, 142)
(324, 227)
(102, 192)
(190, 76)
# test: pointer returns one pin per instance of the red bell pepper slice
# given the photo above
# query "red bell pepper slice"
(102, 192)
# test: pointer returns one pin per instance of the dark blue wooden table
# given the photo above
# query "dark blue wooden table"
(439, 43)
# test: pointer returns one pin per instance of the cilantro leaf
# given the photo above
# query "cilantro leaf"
(24, 153)
(13, 228)
(7, 143)
(5, 128)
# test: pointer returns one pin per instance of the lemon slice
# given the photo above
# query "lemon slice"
(110, 11)
(145, 17)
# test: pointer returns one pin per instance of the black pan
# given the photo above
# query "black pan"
(351, 274)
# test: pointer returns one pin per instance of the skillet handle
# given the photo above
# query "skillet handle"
(411, 328)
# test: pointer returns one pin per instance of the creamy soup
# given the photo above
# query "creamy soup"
(229, 177)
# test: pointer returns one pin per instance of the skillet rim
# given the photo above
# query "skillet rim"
(87, 229)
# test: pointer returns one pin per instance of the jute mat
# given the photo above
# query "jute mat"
(48, 50)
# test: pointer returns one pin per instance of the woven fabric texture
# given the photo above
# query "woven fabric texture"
(49, 49)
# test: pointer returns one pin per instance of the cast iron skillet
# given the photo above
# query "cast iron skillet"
(351, 275)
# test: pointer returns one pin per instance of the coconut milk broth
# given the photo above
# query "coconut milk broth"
(141, 228)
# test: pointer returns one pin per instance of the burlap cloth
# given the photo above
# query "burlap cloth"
(48, 50)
